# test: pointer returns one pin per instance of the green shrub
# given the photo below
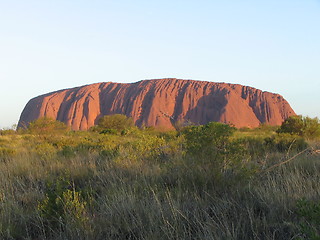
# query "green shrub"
(75, 209)
(210, 140)
(51, 208)
(117, 122)
(285, 142)
(45, 150)
(146, 147)
(47, 125)
(302, 126)
(63, 206)
(109, 131)
(256, 147)
(211, 145)
(67, 152)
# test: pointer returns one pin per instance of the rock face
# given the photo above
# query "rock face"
(160, 103)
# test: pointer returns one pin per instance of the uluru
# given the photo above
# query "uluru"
(160, 103)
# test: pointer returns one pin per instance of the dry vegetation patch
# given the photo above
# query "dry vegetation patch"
(203, 182)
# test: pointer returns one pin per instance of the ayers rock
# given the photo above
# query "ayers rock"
(160, 103)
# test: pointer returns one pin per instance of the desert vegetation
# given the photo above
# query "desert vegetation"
(117, 181)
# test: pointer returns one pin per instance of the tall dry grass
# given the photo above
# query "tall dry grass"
(144, 186)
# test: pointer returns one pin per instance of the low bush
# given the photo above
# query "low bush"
(63, 208)
(113, 123)
(302, 126)
(285, 142)
(46, 125)
(210, 140)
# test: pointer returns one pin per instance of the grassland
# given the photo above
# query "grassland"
(144, 184)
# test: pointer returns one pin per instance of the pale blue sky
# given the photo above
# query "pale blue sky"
(273, 45)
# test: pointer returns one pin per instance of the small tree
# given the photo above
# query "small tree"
(212, 144)
(118, 122)
(207, 140)
(302, 126)
(46, 125)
